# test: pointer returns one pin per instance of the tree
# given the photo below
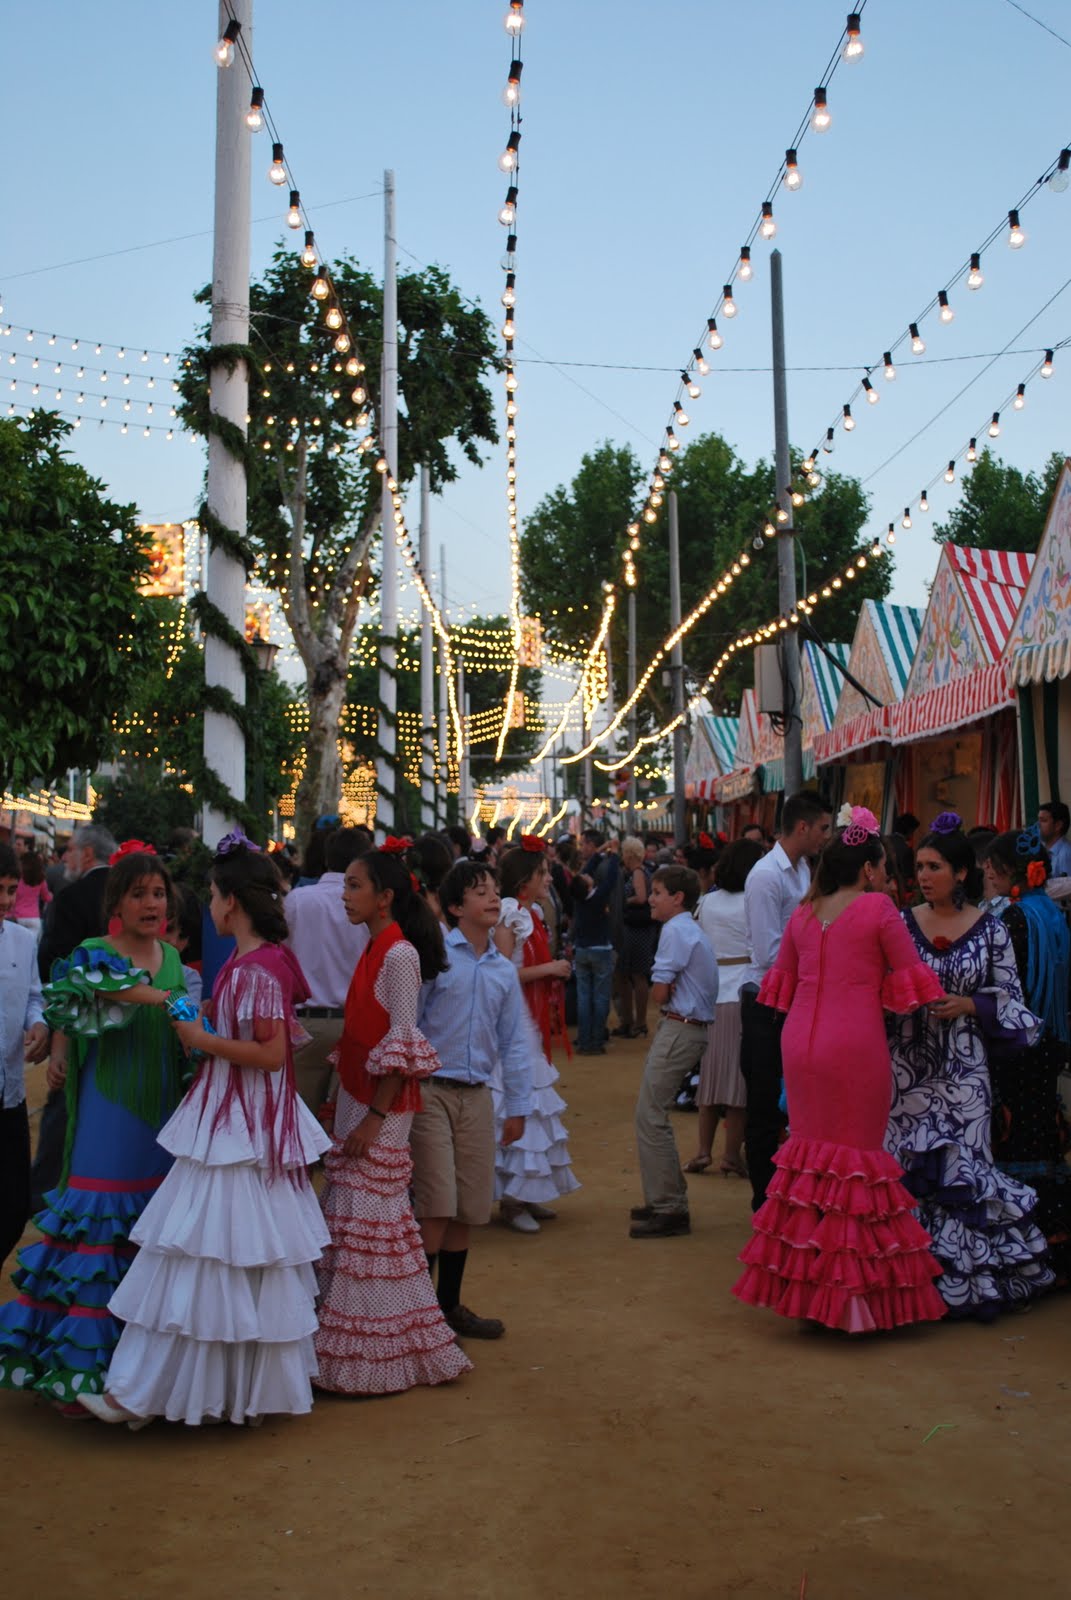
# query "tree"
(576, 536)
(1001, 508)
(74, 636)
(314, 494)
(143, 803)
(487, 675)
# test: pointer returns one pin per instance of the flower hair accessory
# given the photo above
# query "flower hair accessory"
(235, 840)
(947, 822)
(861, 825)
(1029, 841)
(1036, 874)
(533, 844)
(131, 847)
(393, 846)
(706, 842)
(330, 819)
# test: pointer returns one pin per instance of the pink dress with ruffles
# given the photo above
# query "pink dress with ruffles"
(837, 1241)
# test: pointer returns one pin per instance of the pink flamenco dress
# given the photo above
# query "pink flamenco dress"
(381, 1329)
(837, 1241)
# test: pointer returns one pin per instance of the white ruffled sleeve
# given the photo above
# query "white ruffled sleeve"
(518, 919)
(403, 1048)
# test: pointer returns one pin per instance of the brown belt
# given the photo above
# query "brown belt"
(733, 961)
(693, 1022)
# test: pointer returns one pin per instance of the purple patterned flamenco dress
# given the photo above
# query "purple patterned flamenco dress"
(992, 1255)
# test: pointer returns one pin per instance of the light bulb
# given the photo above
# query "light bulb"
(293, 214)
(507, 161)
(1020, 397)
(277, 171)
(793, 178)
(798, 497)
(508, 215)
(308, 255)
(223, 53)
(975, 278)
(827, 442)
(891, 535)
(924, 503)
(650, 516)
(890, 370)
(701, 363)
(905, 520)
(513, 22)
(254, 119)
(664, 463)
(1062, 176)
(849, 420)
(767, 227)
(946, 313)
(853, 45)
(814, 479)
(820, 117)
(681, 416)
(1016, 232)
(871, 393)
(994, 426)
(509, 328)
(320, 287)
(694, 391)
(333, 318)
(509, 298)
(756, 543)
(672, 442)
(950, 472)
(728, 304)
(1046, 365)
(918, 343)
(511, 381)
(714, 338)
(972, 450)
(511, 94)
(122, 355)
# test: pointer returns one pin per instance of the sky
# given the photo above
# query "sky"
(651, 134)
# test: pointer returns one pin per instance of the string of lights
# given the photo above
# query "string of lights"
(16, 408)
(609, 605)
(98, 346)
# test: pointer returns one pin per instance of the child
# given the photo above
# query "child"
(474, 1018)
(184, 932)
(534, 1168)
(381, 1330)
(219, 1302)
(684, 984)
(23, 1037)
(32, 895)
(122, 1069)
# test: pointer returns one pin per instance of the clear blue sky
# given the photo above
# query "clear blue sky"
(650, 136)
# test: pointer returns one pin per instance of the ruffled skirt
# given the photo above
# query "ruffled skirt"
(381, 1329)
(836, 1242)
(536, 1167)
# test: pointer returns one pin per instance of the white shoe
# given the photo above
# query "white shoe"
(521, 1222)
(105, 1410)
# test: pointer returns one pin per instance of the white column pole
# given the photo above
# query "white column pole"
(386, 761)
(444, 698)
(427, 670)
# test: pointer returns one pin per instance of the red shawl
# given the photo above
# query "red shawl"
(366, 1024)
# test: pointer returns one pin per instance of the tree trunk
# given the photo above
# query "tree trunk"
(320, 789)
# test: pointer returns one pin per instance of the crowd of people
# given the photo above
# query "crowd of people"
(876, 1029)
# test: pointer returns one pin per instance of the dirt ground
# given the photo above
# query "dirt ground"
(636, 1433)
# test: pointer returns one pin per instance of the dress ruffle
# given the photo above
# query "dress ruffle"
(536, 1167)
(403, 1050)
(836, 1242)
(202, 1132)
(188, 1380)
(778, 989)
(906, 988)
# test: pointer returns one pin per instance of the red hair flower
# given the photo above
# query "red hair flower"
(131, 847)
(393, 846)
(533, 843)
(706, 842)
(1036, 874)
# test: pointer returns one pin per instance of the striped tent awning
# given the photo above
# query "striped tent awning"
(828, 682)
(870, 727)
(952, 705)
(898, 629)
(994, 582)
(723, 733)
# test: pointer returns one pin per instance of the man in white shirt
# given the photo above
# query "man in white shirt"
(774, 888)
(328, 946)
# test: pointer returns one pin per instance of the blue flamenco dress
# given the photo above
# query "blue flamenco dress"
(124, 1079)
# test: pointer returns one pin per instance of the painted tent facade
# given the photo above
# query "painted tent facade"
(1038, 657)
(711, 754)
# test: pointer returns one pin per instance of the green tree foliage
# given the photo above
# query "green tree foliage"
(75, 637)
(142, 803)
(314, 496)
(576, 535)
(1001, 508)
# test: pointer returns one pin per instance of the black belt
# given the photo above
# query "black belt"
(693, 1022)
(454, 1083)
(321, 1011)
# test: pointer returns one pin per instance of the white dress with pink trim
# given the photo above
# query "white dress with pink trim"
(381, 1329)
(219, 1303)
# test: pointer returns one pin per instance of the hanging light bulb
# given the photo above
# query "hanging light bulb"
(728, 304)
(508, 159)
(512, 381)
(508, 215)
(509, 328)
(975, 278)
(1045, 371)
(767, 227)
(223, 54)
(1016, 232)
(701, 363)
(905, 520)
(950, 472)
(254, 117)
(848, 419)
(293, 215)
(714, 338)
(680, 416)
(511, 94)
(853, 45)
(793, 178)
(924, 503)
(672, 442)
(820, 117)
(308, 255)
(743, 266)
(827, 442)
(871, 393)
(890, 370)
(514, 18)
(664, 463)
(972, 450)
(946, 313)
(333, 318)
(814, 479)
(994, 426)
(798, 497)
(891, 535)
(277, 170)
(1020, 397)
(918, 343)
(509, 297)
(694, 391)
(1062, 175)
(320, 287)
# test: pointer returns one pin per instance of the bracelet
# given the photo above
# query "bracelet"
(373, 1111)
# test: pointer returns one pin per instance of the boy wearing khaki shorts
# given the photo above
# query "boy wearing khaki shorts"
(474, 1016)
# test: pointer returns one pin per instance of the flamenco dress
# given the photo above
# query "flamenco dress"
(381, 1329)
(125, 1071)
(836, 1240)
(992, 1254)
(535, 1169)
(219, 1304)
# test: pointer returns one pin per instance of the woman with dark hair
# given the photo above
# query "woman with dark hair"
(836, 1240)
(381, 1328)
(992, 1255)
(1030, 1132)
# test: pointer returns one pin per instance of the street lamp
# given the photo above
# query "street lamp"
(264, 651)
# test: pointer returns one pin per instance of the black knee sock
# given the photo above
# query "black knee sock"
(451, 1272)
(431, 1265)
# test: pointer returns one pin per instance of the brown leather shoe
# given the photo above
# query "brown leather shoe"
(661, 1225)
(640, 1213)
(467, 1325)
